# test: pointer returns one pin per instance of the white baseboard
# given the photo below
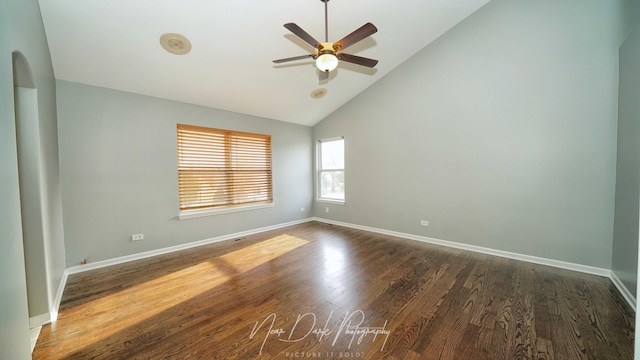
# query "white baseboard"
(39, 320)
(631, 299)
(479, 249)
(34, 333)
(147, 254)
(58, 299)
(506, 254)
(528, 258)
(52, 315)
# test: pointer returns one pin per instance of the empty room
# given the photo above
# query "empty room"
(423, 179)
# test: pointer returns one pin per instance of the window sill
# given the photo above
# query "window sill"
(331, 201)
(191, 214)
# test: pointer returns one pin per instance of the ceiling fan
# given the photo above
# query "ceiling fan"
(327, 54)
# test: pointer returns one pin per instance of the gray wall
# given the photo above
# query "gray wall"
(119, 172)
(21, 31)
(625, 235)
(501, 133)
(31, 198)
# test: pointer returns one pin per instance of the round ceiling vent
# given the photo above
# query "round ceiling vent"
(318, 93)
(175, 43)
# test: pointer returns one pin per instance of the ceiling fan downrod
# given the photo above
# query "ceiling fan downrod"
(326, 20)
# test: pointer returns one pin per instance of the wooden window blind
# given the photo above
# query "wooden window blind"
(219, 168)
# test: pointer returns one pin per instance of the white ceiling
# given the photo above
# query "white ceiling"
(115, 44)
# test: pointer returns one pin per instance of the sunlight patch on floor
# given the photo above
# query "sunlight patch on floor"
(129, 307)
(254, 255)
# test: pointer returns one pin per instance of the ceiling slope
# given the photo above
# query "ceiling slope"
(115, 44)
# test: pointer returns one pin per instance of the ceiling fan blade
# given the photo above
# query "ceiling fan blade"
(361, 33)
(303, 35)
(359, 60)
(278, 61)
(323, 75)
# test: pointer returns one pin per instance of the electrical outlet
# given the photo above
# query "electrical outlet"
(301, 209)
(137, 237)
(326, 209)
(424, 223)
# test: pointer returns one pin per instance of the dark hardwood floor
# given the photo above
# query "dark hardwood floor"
(322, 291)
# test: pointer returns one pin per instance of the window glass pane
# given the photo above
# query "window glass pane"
(332, 154)
(332, 185)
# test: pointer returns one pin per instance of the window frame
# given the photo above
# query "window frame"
(320, 171)
(229, 149)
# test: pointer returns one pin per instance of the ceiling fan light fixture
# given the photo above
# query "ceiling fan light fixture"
(327, 62)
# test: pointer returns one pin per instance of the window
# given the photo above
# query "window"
(222, 168)
(331, 170)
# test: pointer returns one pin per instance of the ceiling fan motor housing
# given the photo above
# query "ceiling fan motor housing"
(327, 48)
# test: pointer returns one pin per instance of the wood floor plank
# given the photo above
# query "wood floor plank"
(324, 291)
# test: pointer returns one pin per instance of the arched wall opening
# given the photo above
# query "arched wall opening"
(31, 194)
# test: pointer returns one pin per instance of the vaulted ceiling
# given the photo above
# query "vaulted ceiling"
(116, 44)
